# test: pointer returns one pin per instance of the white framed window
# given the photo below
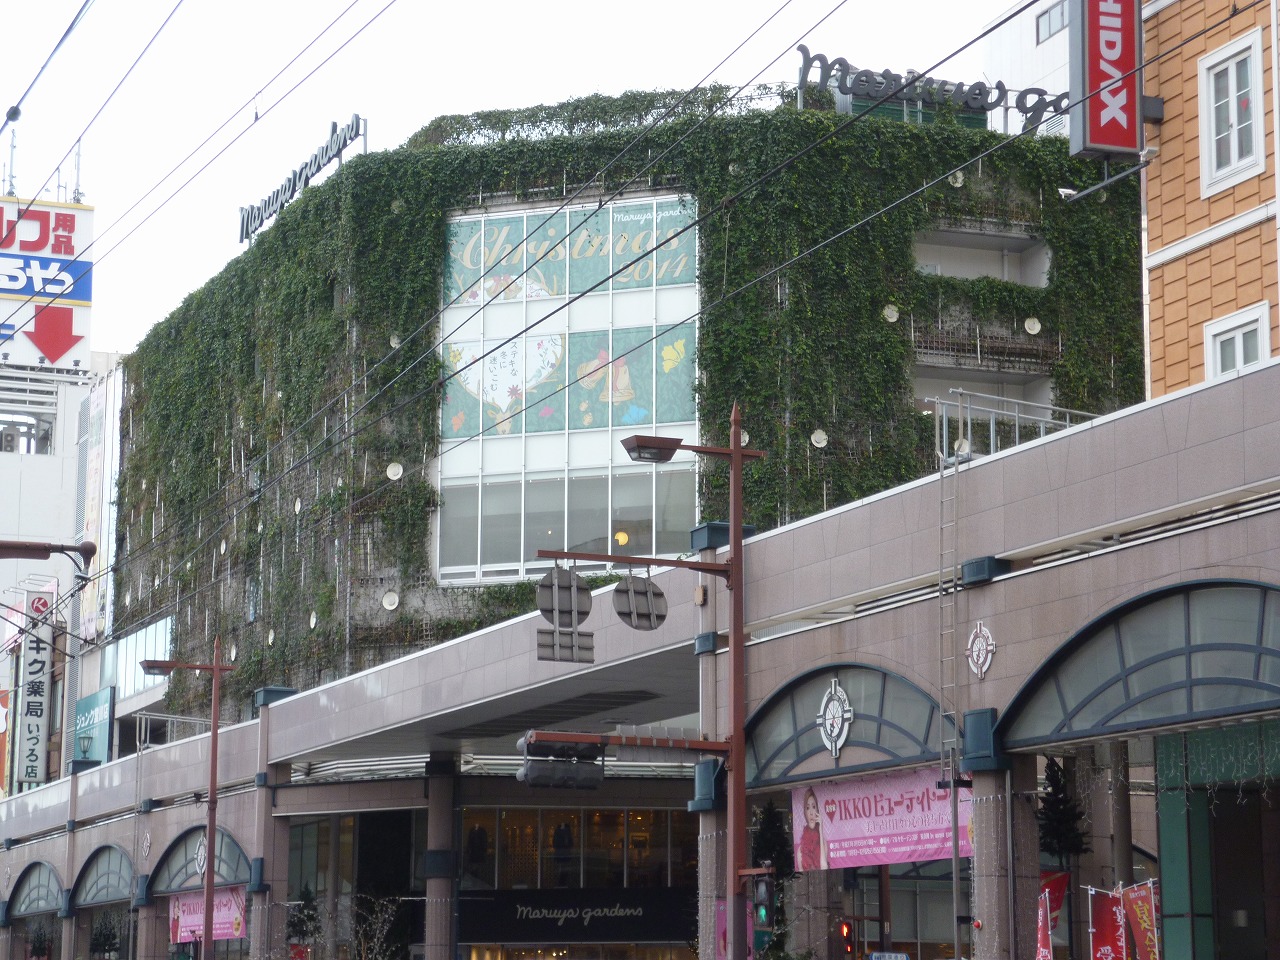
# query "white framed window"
(1231, 122)
(1238, 341)
(1051, 21)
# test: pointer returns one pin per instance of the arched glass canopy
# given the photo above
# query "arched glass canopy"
(893, 723)
(1181, 654)
(181, 867)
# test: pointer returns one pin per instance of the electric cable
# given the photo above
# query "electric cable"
(564, 204)
(842, 233)
(15, 111)
(890, 93)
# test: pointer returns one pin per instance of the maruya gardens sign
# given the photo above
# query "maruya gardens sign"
(252, 218)
(1033, 103)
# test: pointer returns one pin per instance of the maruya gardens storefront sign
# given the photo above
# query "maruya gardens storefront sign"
(1033, 103)
(252, 218)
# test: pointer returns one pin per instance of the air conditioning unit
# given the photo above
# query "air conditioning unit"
(10, 440)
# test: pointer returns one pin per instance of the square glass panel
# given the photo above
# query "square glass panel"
(1226, 354)
(518, 850)
(675, 511)
(500, 522)
(1249, 346)
(602, 849)
(1153, 629)
(543, 516)
(1094, 665)
(1225, 615)
(631, 529)
(561, 849)
(459, 525)
(588, 520)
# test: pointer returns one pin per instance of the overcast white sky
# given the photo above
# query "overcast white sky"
(415, 61)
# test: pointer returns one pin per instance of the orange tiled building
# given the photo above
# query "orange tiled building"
(1210, 191)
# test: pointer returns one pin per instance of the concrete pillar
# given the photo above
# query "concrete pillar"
(1005, 868)
(1121, 812)
(270, 840)
(69, 873)
(442, 859)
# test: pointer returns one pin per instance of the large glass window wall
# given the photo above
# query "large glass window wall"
(550, 364)
(516, 848)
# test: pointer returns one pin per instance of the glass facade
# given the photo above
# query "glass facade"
(551, 361)
(1208, 649)
(517, 848)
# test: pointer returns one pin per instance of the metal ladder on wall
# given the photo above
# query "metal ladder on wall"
(949, 459)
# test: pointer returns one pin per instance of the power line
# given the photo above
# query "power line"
(330, 439)
(15, 111)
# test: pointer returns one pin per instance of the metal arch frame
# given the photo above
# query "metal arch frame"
(786, 694)
(78, 887)
(1049, 673)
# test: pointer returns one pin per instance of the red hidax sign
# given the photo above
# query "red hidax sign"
(1108, 78)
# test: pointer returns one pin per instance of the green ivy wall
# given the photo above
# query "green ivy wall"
(261, 414)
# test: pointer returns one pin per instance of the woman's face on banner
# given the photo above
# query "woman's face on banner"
(811, 809)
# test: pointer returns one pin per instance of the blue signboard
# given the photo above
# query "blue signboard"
(70, 281)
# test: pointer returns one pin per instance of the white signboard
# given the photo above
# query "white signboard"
(35, 692)
(46, 283)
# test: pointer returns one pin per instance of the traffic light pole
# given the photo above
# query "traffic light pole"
(660, 450)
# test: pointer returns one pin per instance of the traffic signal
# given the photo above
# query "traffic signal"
(763, 902)
(846, 938)
(568, 765)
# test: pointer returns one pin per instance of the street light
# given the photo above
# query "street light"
(661, 450)
(81, 554)
(162, 668)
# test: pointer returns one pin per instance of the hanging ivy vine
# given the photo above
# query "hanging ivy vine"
(265, 409)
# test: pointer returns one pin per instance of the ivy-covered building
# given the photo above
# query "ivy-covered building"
(348, 447)
(416, 377)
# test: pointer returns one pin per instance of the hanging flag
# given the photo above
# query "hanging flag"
(1044, 936)
(1142, 909)
(1054, 883)
(1106, 926)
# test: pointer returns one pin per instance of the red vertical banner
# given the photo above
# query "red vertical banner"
(1106, 926)
(1054, 883)
(1141, 909)
(1044, 936)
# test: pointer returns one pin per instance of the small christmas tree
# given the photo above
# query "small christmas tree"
(303, 924)
(1059, 817)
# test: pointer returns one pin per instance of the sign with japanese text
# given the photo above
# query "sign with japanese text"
(1142, 909)
(1044, 936)
(35, 689)
(93, 720)
(890, 818)
(186, 915)
(1106, 79)
(46, 283)
(1106, 926)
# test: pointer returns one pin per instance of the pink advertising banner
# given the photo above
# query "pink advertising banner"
(186, 915)
(897, 817)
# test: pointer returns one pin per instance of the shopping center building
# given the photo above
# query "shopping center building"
(1105, 595)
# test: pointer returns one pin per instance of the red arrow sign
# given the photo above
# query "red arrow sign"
(51, 332)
